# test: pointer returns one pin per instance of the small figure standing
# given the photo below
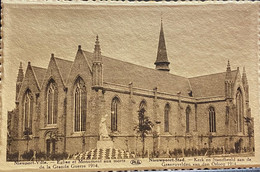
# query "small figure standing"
(103, 133)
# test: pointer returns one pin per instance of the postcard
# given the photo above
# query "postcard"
(125, 85)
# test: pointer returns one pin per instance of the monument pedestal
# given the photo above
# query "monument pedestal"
(105, 144)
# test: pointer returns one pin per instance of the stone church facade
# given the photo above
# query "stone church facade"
(60, 107)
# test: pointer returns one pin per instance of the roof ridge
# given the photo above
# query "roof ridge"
(210, 74)
(39, 67)
(63, 59)
(140, 65)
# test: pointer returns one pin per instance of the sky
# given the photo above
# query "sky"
(200, 39)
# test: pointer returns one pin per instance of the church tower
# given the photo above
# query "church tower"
(19, 80)
(97, 67)
(162, 62)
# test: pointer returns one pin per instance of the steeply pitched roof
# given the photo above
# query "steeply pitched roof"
(64, 67)
(39, 74)
(210, 85)
(121, 72)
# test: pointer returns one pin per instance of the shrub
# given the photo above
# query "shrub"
(58, 156)
(41, 156)
(12, 156)
(27, 155)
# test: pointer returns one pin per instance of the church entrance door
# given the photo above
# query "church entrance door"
(50, 146)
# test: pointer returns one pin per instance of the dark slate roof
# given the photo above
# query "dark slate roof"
(39, 74)
(64, 67)
(210, 85)
(89, 56)
(121, 72)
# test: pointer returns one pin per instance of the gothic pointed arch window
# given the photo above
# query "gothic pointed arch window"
(188, 111)
(239, 109)
(143, 105)
(212, 119)
(166, 117)
(115, 106)
(142, 111)
(80, 105)
(52, 102)
(28, 111)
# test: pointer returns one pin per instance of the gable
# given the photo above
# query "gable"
(54, 73)
(29, 82)
(39, 74)
(63, 67)
(80, 67)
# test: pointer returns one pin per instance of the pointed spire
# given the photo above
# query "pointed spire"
(97, 67)
(244, 78)
(19, 80)
(97, 50)
(162, 62)
(20, 73)
(228, 72)
(228, 66)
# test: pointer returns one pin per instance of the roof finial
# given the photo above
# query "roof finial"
(20, 73)
(79, 47)
(97, 41)
(228, 67)
(97, 50)
(161, 21)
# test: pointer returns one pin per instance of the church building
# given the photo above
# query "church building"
(60, 107)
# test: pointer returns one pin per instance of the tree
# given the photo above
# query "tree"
(144, 127)
(250, 130)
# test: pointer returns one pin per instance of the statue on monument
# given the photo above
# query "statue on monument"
(103, 133)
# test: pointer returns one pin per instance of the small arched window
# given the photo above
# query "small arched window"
(52, 103)
(239, 105)
(80, 105)
(141, 112)
(114, 113)
(166, 117)
(143, 105)
(212, 119)
(188, 110)
(28, 111)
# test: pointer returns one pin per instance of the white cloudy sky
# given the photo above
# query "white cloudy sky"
(199, 38)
